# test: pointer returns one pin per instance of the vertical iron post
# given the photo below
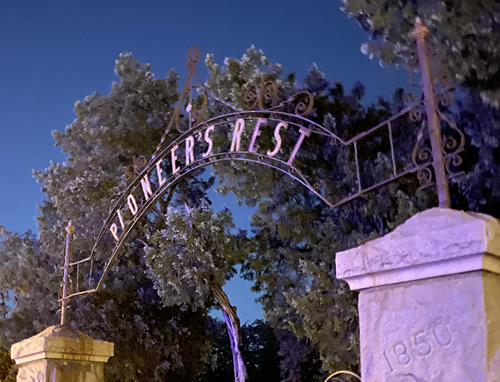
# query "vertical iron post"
(64, 302)
(420, 33)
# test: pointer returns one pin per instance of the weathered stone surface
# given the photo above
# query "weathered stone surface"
(438, 330)
(61, 371)
(429, 305)
(436, 242)
(61, 354)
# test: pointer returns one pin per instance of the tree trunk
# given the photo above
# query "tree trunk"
(233, 330)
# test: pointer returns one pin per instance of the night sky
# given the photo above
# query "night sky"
(54, 53)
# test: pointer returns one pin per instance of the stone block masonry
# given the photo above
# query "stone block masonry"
(429, 303)
(61, 354)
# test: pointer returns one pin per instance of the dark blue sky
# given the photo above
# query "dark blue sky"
(57, 52)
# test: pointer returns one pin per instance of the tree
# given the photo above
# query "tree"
(152, 342)
(6, 366)
(464, 35)
(296, 234)
(479, 188)
(260, 351)
(299, 362)
(190, 261)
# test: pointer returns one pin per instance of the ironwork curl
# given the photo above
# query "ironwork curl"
(130, 173)
(141, 163)
(252, 96)
(453, 161)
(445, 80)
(412, 60)
(410, 99)
(138, 165)
(446, 98)
(305, 103)
(416, 114)
(424, 177)
(449, 144)
(113, 200)
(193, 57)
(267, 94)
(421, 155)
(452, 147)
(199, 115)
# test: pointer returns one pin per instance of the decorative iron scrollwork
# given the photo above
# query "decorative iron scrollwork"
(446, 98)
(199, 115)
(424, 177)
(422, 157)
(130, 173)
(453, 146)
(453, 142)
(264, 96)
(138, 165)
(267, 94)
(252, 96)
(305, 103)
(412, 60)
(451, 165)
(416, 114)
(410, 99)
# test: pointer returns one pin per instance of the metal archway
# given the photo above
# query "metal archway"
(165, 168)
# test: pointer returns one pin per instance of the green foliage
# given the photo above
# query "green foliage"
(260, 351)
(193, 252)
(464, 32)
(479, 189)
(7, 369)
(155, 304)
(295, 235)
(153, 343)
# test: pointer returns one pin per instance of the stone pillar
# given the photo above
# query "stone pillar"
(61, 354)
(429, 302)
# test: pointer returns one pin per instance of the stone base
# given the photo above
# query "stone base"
(439, 330)
(53, 370)
(61, 354)
(429, 305)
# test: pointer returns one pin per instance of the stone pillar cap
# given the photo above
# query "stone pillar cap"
(433, 243)
(59, 342)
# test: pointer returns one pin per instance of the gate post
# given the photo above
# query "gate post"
(61, 354)
(429, 301)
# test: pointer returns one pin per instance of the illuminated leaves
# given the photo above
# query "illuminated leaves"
(464, 32)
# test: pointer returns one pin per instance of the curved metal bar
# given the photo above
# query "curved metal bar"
(219, 120)
(159, 192)
(342, 372)
(272, 115)
(305, 121)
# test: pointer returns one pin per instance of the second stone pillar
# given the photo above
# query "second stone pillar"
(429, 303)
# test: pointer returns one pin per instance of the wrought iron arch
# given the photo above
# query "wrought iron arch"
(149, 182)
(152, 186)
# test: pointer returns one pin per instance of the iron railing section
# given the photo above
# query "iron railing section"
(280, 165)
(427, 162)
